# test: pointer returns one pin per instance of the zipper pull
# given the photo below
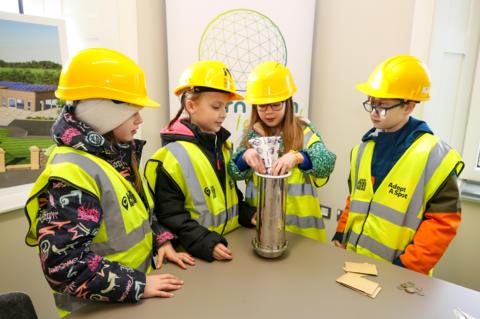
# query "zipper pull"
(218, 164)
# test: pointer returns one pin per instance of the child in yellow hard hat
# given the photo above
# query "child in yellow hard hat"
(270, 89)
(89, 211)
(404, 203)
(194, 196)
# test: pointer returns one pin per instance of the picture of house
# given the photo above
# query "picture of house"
(30, 65)
(29, 97)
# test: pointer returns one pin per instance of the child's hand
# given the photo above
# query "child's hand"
(254, 160)
(167, 251)
(338, 244)
(254, 219)
(221, 252)
(159, 285)
(284, 164)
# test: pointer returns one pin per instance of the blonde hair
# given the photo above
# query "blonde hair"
(291, 128)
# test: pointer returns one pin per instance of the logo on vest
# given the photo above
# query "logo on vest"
(210, 190)
(397, 190)
(128, 200)
(361, 184)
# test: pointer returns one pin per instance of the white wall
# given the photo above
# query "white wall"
(152, 57)
(351, 38)
(135, 28)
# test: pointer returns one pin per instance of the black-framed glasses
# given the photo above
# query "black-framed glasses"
(274, 106)
(380, 110)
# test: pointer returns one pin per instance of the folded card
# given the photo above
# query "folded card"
(361, 268)
(359, 283)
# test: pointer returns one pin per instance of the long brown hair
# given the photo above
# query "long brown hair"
(291, 128)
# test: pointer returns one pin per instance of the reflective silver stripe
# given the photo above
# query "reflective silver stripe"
(395, 217)
(208, 220)
(193, 184)
(374, 246)
(415, 205)
(293, 190)
(408, 219)
(361, 149)
(305, 222)
(251, 190)
(124, 243)
(360, 207)
(147, 262)
(436, 156)
(301, 190)
(306, 138)
(69, 303)
(118, 240)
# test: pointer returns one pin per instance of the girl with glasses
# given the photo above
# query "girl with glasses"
(270, 89)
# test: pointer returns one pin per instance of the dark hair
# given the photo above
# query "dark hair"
(137, 182)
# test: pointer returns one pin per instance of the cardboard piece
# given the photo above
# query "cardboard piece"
(361, 268)
(358, 282)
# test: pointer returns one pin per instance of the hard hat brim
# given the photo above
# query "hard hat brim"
(234, 96)
(95, 93)
(368, 90)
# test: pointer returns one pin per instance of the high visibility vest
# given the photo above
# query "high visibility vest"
(205, 200)
(303, 213)
(124, 235)
(382, 224)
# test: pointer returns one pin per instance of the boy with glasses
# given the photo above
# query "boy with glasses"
(404, 203)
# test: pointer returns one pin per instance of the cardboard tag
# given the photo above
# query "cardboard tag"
(359, 283)
(361, 268)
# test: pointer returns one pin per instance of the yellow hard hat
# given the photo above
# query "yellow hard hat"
(399, 77)
(269, 82)
(103, 73)
(210, 74)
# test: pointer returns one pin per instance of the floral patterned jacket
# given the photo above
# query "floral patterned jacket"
(65, 230)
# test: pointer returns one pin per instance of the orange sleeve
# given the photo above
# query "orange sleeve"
(440, 223)
(431, 240)
(342, 222)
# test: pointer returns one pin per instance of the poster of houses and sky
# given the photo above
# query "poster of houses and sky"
(30, 64)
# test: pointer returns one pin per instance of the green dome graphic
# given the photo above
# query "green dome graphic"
(242, 38)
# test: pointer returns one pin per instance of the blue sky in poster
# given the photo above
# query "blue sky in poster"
(22, 41)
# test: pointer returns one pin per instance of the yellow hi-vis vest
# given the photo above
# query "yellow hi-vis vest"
(124, 235)
(303, 215)
(191, 170)
(382, 224)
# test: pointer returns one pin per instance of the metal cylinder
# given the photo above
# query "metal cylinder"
(270, 240)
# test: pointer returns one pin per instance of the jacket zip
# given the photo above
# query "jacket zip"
(217, 161)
